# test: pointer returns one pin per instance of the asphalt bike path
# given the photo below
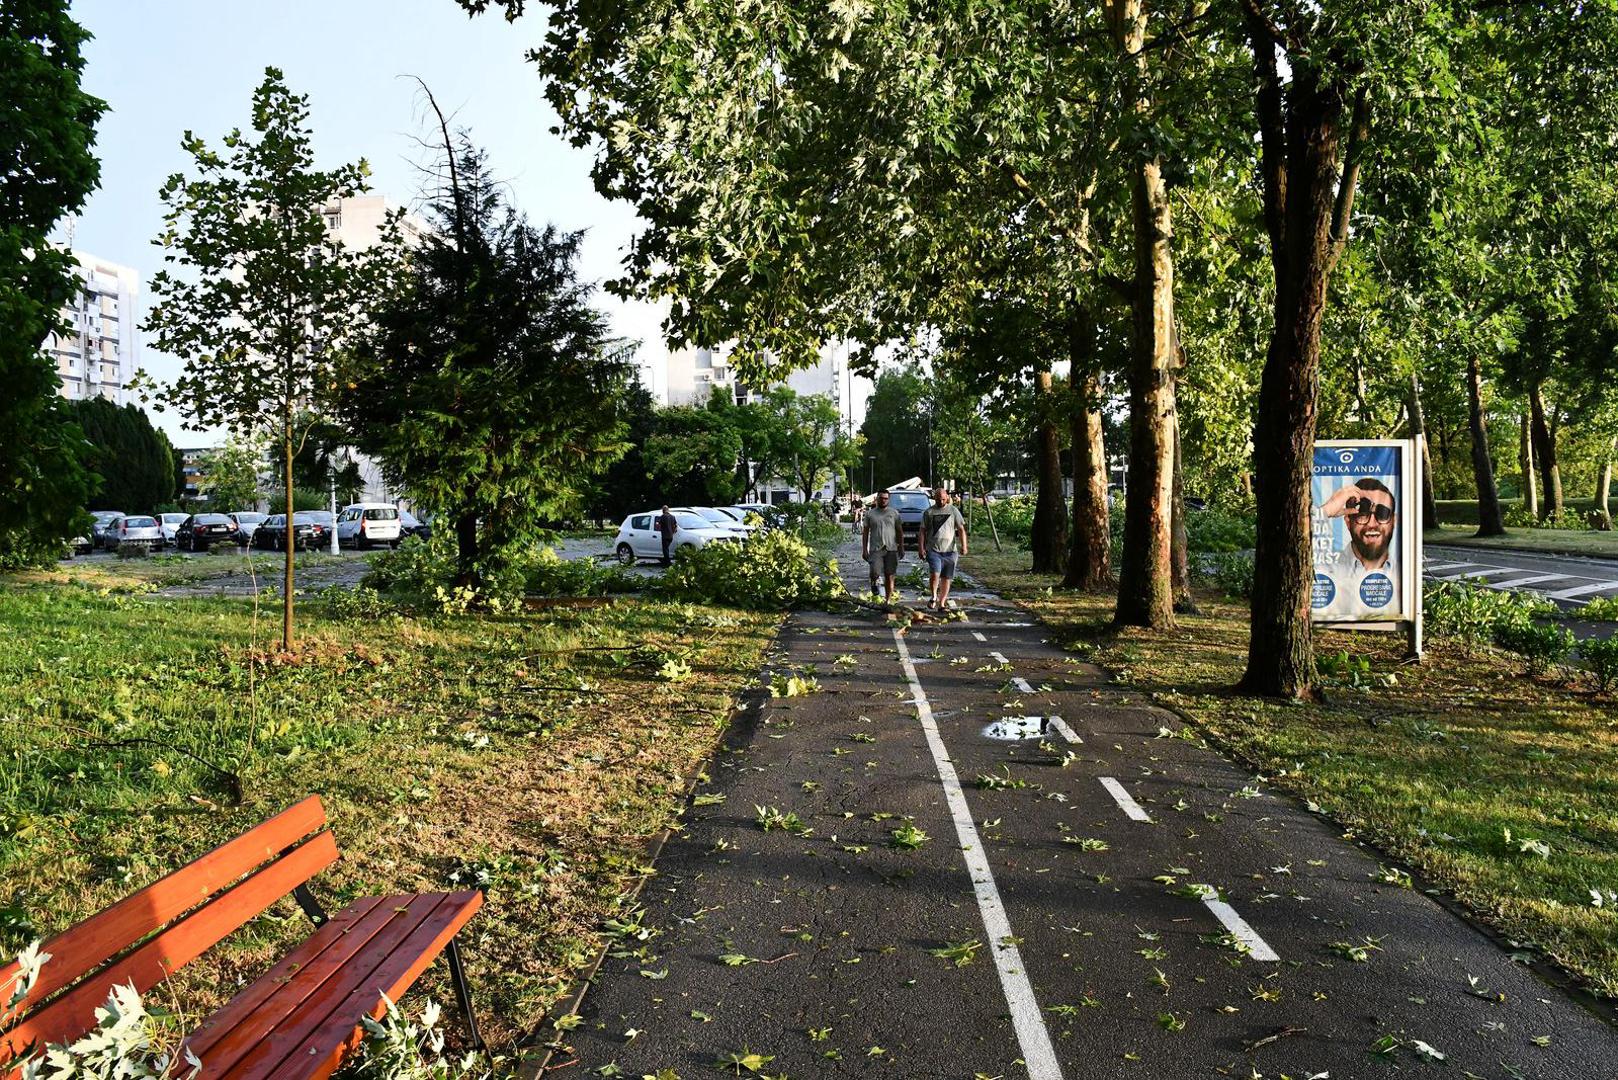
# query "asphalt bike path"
(969, 854)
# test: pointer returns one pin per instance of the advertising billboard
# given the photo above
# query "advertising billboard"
(1366, 532)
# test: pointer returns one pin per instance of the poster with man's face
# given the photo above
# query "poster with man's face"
(1358, 546)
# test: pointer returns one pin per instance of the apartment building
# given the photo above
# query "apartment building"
(97, 356)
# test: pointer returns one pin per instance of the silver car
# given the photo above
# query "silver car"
(134, 531)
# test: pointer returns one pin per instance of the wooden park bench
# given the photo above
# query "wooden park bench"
(304, 1015)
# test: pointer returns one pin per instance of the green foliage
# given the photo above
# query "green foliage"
(361, 603)
(1231, 571)
(397, 1047)
(230, 477)
(1474, 614)
(1215, 530)
(1601, 655)
(415, 567)
(1541, 645)
(811, 524)
(1601, 609)
(302, 499)
(692, 456)
(132, 460)
(548, 574)
(46, 134)
(488, 386)
(1014, 517)
(125, 1041)
(1352, 671)
(767, 571)
(897, 430)
(426, 570)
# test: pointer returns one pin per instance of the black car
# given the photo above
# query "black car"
(324, 523)
(272, 533)
(411, 525)
(911, 504)
(199, 532)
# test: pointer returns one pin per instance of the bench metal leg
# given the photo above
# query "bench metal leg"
(463, 990)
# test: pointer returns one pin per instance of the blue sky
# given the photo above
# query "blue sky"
(167, 66)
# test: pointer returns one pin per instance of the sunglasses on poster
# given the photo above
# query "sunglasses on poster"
(1364, 508)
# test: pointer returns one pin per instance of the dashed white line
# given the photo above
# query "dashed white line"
(979, 636)
(1057, 724)
(1531, 579)
(999, 658)
(1126, 802)
(1257, 947)
(1487, 571)
(1571, 594)
(1033, 1037)
(1022, 685)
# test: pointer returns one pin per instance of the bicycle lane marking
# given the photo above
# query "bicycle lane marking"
(1038, 1054)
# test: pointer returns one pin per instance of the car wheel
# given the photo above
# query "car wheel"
(393, 545)
(626, 555)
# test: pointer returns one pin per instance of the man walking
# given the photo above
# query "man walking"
(881, 544)
(666, 527)
(942, 537)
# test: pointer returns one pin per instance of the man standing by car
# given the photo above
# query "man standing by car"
(666, 527)
(942, 537)
(882, 541)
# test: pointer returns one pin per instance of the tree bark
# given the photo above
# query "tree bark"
(1544, 444)
(1145, 585)
(1491, 522)
(1089, 559)
(1418, 431)
(1307, 212)
(291, 544)
(1604, 488)
(1185, 602)
(1525, 462)
(466, 550)
(1050, 508)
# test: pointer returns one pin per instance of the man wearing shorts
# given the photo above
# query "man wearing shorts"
(942, 538)
(881, 543)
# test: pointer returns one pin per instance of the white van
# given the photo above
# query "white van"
(362, 525)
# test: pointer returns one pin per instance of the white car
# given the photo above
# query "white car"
(363, 524)
(135, 531)
(170, 524)
(638, 537)
(720, 518)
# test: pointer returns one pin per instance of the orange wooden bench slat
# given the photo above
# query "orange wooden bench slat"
(327, 947)
(76, 952)
(310, 1042)
(73, 1013)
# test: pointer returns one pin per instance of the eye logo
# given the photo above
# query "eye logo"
(1346, 457)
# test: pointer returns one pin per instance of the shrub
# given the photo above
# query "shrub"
(358, 604)
(1014, 517)
(1601, 609)
(428, 570)
(1231, 571)
(809, 522)
(767, 571)
(1567, 518)
(1473, 614)
(1217, 531)
(1601, 654)
(415, 566)
(548, 574)
(1540, 645)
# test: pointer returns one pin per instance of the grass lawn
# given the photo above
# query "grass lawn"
(1544, 541)
(1435, 769)
(535, 753)
(155, 571)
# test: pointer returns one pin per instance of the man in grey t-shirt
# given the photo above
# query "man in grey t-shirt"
(882, 541)
(942, 538)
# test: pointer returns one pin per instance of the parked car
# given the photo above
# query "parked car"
(79, 545)
(910, 504)
(246, 522)
(719, 519)
(638, 538)
(324, 522)
(98, 528)
(272, 533)
(170, 524)
(199, 532)
(133, 530)
(770, 515)
(411, 525)
(362, 525)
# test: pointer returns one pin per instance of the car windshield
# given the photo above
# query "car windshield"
(381, 513)
(687, 520)
(173, 519)
(140, 523)
(104, 516)
(249, 519)
(408, 519)
(277, 521)
(909, 500)
(717, 516)
(729, 514)
(210, 519)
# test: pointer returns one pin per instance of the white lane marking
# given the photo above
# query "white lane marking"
(1022, 685)
(1060, 726)
(1126, 802)
(999, 658)
(1436, 566)
(979, 636)
(1450, 575)
(1026, 1019)
(1487, 571)
(1570, 594)
(1531, 579)
(1257, 947)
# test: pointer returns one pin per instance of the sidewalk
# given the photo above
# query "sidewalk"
(1102, 900)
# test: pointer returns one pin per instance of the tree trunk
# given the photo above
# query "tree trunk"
(466, 550)
(1491, 522)
(1307, 220)
(1544, 444)
(1050, 509)
(1089, 561)
(1185, 602)
(1525, 462)
(1604, 488)
(1145, 586)
(1418, 431)
(291, 544)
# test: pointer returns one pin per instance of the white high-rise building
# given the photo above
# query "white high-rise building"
(97, 356)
